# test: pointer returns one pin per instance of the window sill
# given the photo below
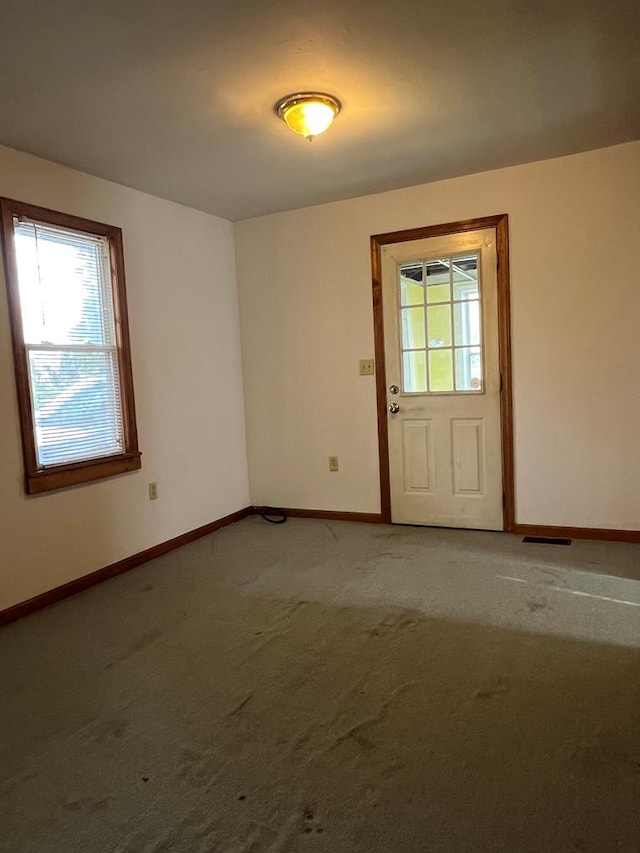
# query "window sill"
(62, 476)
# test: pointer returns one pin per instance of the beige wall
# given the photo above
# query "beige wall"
(183, 314)
(306, 318)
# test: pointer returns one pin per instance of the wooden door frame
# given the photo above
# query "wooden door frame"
(501, 224)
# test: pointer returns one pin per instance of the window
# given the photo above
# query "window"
(65, 284)
(440, 328)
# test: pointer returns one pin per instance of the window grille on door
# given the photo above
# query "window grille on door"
(441, 325)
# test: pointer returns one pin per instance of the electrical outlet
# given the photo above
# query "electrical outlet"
(153, 491)
(367, 367)
(333, 463)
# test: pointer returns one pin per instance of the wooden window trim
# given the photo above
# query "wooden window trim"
(38, 479)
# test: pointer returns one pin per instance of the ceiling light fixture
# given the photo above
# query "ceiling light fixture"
(308, 113)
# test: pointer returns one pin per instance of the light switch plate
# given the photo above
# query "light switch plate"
(367, 367)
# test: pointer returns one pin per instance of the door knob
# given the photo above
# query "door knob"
(394, 408)
(393, 389)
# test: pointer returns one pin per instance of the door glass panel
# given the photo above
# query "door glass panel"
(468, 369)
(439, 293)
(466, 323)
(465, 277)
(441, 325)
(411, 284)
(465, 290)
(465, 268)
(414, 372)
(441, 370)
(413, 334)
(438, 281)
(439, 320)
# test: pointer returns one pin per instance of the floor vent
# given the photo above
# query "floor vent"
(546, 540)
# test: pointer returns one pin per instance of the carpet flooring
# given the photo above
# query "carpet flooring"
(331, 686)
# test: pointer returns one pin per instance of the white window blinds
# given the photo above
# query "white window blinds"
(66, 303)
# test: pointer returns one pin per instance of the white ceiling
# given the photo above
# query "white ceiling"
(175, 97)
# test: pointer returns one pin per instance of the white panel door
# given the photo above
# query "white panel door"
(440, 306)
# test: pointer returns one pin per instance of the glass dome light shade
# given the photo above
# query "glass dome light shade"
(308, 114)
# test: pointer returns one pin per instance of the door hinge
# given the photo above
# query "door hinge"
(501, 383)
